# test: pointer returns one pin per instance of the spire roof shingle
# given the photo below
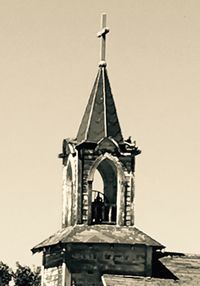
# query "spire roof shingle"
(100, 119)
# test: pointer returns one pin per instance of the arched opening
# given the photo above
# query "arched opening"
(104, 193)
(68, 196)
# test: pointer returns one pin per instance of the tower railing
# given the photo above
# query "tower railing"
(103, 212)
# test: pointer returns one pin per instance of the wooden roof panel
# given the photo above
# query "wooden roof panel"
(186, 268)
(100, 119)
(99, 234)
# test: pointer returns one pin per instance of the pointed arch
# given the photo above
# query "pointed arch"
(113, 160)
(106, 205)
(69, 192)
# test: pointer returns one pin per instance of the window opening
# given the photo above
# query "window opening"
(69, 186)
(104, 193)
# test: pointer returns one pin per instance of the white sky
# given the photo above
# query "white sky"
(49, 57)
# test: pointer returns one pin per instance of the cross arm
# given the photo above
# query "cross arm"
(103, 32)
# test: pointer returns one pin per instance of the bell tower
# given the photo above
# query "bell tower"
(99, 147)
(98, 235)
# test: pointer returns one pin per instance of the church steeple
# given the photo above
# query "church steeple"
(98, 234)
(99, 148)
(100, 119)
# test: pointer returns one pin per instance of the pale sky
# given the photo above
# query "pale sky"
(49, 57)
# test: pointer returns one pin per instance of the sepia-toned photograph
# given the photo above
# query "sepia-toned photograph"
(100, 143)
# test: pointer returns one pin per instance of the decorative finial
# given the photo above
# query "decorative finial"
(102, 35)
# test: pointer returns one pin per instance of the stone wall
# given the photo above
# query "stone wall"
(52, 276)
(125, 189)
(87, 264)
(78, 167)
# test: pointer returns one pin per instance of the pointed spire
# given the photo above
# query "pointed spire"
(100, 119)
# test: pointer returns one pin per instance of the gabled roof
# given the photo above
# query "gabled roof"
(186, 268)
(99, 234)
(100, 118)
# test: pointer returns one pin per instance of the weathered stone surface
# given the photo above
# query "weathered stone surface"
(52, 276)
(80, 163)
(70, 190)
(88, 263)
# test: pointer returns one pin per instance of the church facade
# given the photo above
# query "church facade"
(98, 236)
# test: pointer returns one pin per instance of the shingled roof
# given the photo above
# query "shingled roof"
(186, 268)
(98, 234)
(100, 118)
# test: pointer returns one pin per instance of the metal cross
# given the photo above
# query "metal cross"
(102, 35)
